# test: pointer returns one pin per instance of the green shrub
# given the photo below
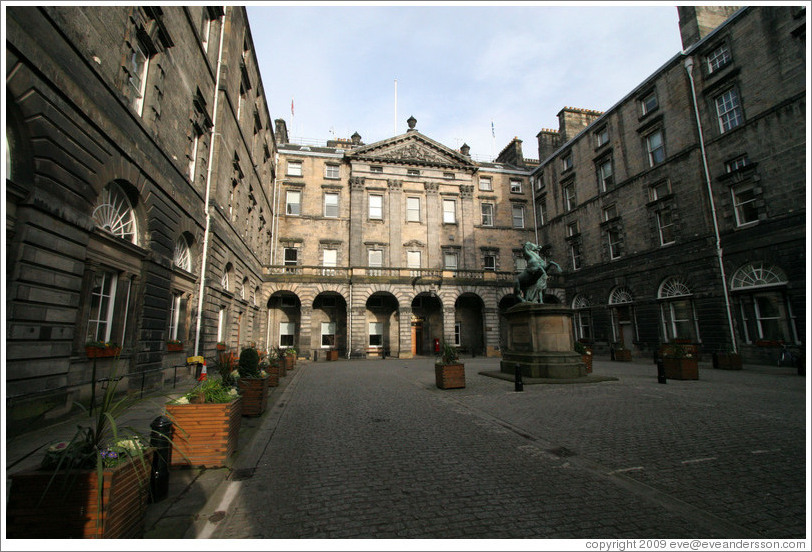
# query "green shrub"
(249, 363)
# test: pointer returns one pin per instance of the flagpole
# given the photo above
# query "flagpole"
(292, 117)
(396, 109)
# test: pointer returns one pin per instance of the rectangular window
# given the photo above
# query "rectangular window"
(174, 315)
(602, 136)
(614, 244)
(487, 214)
(485, 184)
(539, 182)
(518, 216)
(520, 263)
(569, 197)
(291, 256)
(413, 209)
(457, 334)
(293, 203)
(331, 171)
(660, 190)
(329, 262)
(728, 110)
(609, 212)
(655, 148)
(515, 186)
(413, 172)
(489, 262)
(566, 162)
(221, 325)
(376, 207)
(737, 163)
(376, 334)
(375, 261)
(294, 168)
(649, 103)
(376, 169)
(206, 34)
(605, 175)
(718, 58)
(138, 67)
(193, 156)
(449, 211)
(744, 204)
(542, 210)
(331, 205)
(328, 334)
(450, 260)
(665, 224)
(102, 306)
(572, 229)
(287, 331)
(413, 261)
(575, 256)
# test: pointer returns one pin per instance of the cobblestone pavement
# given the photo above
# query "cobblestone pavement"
(373, 449)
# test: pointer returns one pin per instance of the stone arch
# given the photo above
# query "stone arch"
(469, 322)
(397, 292)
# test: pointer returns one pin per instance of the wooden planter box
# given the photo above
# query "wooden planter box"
(74, 513)
(290, 362)
(102, 352)
(282, 370)
(174, 347)
(681, 368)
(623, 355)
(332, 354)
(727, 361)
(254, 393)
(204, 434)
(273, 376)
(450, 376)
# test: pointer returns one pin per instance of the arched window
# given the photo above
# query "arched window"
(624, 328)
(677, 313)
(183, 255)
(581, 318)
(243, 287)
(764, 312)
(620, 295)
(114, 213)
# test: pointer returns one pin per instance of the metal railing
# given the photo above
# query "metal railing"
(388, 273)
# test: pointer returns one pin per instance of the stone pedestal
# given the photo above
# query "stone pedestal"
(540, 340)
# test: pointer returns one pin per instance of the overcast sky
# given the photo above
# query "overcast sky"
(458, 68)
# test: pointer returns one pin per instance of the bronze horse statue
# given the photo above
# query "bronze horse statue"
(530, 284)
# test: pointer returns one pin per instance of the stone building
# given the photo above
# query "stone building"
(125, 221)
(392, 247)
(680, 211)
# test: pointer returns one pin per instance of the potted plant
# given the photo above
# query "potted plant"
(449, 373)
(174, 345)
(269, 364)
(252, 383)
(279, 354)
(101, 349)
(680, 361)
(206, 424)
(290, 358)
(221, 346)
(586, 355)
(620, 352)
(727, 360)
(94, 486)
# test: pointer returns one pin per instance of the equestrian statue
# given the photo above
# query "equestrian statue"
(530, 284)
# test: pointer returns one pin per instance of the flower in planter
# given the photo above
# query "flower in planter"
(448, 354)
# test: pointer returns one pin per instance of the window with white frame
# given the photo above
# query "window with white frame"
(457, 334)
(329, 261)
(449, 211)
(221, 325)
(542, 210)
(605, 174)
(659, 190)
(677, 314)
(450, 260)
(138, 66)
(718, 58)
(485, 184)
(519, 262)
(193, 147)
(581, 318)
(737, 163)
(332, 172)
(287, 334)
(487, 214)
(225, 279)
(649, 103)
(575, 255)
(183, 256)
(413, 261)
(602, 136)
(376, 169)
(205, 35)
(102, 306)
(744, 203)
(375, 261)
(515, 186)
(328, 335)
(293, 203)
(728, 110)
(569, 196)
(331, 205)
(572, 229)
(609, 212)
(665, 226)
(655, 146)
(413, 209)
(294, 168)
(115, 214)
(376, 334)
(566, 162)
(518, 216)
(489, 261)
(291, 258)
(376, 207)
(174, 315)
(243, 288)
(615, 243)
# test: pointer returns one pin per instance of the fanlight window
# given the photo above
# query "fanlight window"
(114, 214)
(183, 256)
(673, 287)
(756, 275)
(580, 302)
(620, 295)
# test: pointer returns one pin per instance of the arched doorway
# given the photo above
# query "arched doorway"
(381, 325)
(329, 322)
(469, 325)
(284, 319)
(505, 303)
(427, 323)
(621, 309)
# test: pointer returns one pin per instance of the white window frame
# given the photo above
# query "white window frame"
(221, 325)
(293, 208)
(609, 212)
(328, 329)
(485, 259)
(575, 255)
(487, 214)
(649, 103)
(414, 260)
(287, 330)
(375, 329)
(412, 209)
(290, 262)
(375, 207)
(718, 58)
(174, 315)
(457, 334)
(453, 257)
(449, 211)
(518, 216)
(614, 246)
(665, 227)
(742, 206)
(138, 75)
(485, 184)
(570, 200)
(660, 186)
(602, 136)
(294, 168)
(332, 172)
(728, 110)
(656, 152)
(193, 156)
(101, 317)
(605, 174)
(515, 186)
(329, 261)
(566, 162)
(375, 261)
(331, 205)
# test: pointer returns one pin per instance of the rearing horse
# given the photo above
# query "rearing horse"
(530, 284)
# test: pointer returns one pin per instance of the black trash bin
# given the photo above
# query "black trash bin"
(161, 439)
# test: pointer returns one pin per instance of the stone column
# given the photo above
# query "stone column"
(434, 222)
(305, 331)
(395, 220)
(468, 259)
(491, 321)
(405, 332)
(449, 316)
(358, 347)
(357, 218)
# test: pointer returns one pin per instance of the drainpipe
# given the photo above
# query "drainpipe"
(274, 202)
(689, 65)
(535, 208)
(207, 231)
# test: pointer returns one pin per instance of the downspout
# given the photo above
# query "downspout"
(207, 230)
(689, 65)
(274, 201)
(535, 208)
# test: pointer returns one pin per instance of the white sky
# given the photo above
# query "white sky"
(458, 66)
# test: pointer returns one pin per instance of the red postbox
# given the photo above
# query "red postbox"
(436, 345)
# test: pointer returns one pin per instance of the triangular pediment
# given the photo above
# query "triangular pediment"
(412, 148)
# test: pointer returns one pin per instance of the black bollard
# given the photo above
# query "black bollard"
(161, 439)
(517, 372)
(661, 371)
